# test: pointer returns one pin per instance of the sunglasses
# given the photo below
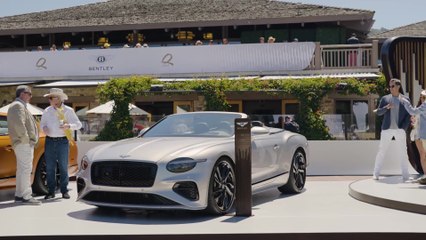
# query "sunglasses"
(392, 86)
(29, 94)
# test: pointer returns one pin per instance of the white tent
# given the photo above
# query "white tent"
(106, 108)
(34, 110)
(82, 112)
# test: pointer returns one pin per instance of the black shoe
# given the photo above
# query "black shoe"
(19, 199)
(66, 195)
(49, 196)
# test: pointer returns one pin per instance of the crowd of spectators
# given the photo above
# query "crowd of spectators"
(223, 41)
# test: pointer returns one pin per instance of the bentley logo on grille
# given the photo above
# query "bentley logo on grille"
(124, 155)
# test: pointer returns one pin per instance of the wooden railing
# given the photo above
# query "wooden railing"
(349, 56)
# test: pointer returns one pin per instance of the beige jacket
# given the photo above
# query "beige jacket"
(22, 125)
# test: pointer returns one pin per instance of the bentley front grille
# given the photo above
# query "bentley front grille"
(123, 174)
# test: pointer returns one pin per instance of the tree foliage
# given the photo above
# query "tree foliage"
(122, 91)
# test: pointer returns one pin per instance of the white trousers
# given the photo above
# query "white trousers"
(24, 164)
(401, 145)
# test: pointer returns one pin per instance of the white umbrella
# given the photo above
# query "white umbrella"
(106, 108)
(34, 110)
(82, 112)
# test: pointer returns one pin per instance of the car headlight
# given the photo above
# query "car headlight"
(180, 165)
(84, 162)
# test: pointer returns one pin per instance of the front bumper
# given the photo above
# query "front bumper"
(187, 190)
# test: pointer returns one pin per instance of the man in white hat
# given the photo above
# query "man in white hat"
(57, 122)
(24, 135)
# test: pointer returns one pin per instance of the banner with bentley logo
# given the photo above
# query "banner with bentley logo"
(159, 61)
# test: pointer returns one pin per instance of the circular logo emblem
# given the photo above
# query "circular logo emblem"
(101, 59)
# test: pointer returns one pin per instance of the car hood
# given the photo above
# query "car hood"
(155, 149)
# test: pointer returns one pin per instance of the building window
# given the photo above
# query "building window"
(290, 106)
(236, 105)
(182, 106)
(353, 117)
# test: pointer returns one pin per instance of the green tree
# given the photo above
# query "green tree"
(122, 91)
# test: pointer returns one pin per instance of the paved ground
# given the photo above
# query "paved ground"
(325, 207)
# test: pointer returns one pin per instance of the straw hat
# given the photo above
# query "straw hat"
(423, 93)
(271, 39)
(56, 92)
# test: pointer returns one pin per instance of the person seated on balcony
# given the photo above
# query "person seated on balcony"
(271, 39)
(353, 54)
(126, 46)
(198, 43)
(106, 45)
(353, 39)
(261, 40)
(225, 41)
(66, 47)
(145, 45)
(138, 45)
(39, 48)
(211, 42)
(53, 47)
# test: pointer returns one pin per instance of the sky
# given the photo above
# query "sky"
(389, 13)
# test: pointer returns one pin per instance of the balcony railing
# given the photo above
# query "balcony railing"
(345, 56)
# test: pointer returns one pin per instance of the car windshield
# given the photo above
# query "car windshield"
(3, 126)
(195, 125)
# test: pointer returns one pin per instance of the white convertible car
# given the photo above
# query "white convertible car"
(187, 161)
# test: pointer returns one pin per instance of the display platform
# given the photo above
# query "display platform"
(391, 192)
(323, 211)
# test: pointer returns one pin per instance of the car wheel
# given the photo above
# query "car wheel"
(221, 188)
(40, 179)
(296, 180)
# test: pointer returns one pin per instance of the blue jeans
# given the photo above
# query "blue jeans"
(56, 154)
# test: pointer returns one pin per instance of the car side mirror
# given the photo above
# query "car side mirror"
(259, 130)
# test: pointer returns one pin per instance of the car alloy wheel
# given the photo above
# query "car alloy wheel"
(222, 188)
(40, 179)
(297, 175)
(299, 170)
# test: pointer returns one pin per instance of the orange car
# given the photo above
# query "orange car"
(38, 175)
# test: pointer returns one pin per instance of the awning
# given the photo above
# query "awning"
(76, 83)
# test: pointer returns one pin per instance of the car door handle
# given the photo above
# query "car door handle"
(276, 147)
